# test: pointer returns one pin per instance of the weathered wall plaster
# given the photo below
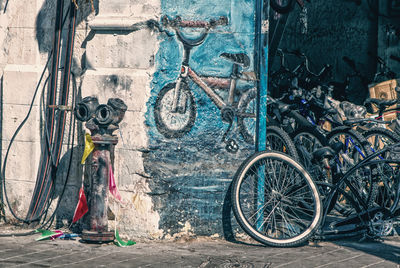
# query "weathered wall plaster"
(191, 174)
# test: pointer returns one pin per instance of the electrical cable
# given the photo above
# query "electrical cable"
(42, 176)
(2, 208)
(5, 163)
(73, 120)
(3, 177)
(61, 116)
(51, 219)
(46, 133)
(5, 7)
(3, 173)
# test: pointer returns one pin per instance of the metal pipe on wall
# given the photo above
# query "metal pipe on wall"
(2, 210)
(261, 69)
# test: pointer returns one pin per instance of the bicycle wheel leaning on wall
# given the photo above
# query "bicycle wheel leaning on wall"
(275, 200)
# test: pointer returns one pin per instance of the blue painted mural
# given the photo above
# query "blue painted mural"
(201, 114)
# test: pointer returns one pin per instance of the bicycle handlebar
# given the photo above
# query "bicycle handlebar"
(300, 54)
(362, 121)
(394, 57)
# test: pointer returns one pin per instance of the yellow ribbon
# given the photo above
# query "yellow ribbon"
(89, 146)
(77, 6)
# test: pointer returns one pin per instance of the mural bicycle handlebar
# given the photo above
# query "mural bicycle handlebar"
(178, 22)
(175, 107)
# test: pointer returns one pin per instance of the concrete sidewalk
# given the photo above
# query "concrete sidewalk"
(201, 252)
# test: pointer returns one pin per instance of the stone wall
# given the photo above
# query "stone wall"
(21, 64)
(108, 63)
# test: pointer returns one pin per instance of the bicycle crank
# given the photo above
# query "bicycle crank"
(231, 145)
(379, 226)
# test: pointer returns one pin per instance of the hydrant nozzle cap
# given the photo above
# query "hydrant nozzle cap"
(117, 104)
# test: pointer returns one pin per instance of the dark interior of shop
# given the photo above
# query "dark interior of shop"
(358, 39)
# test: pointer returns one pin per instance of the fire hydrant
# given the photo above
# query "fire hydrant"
(102, 120)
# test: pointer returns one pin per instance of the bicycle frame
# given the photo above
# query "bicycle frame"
(186, 72)
(364, 213)
(304, 110)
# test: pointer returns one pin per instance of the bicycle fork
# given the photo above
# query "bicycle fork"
(179, 100)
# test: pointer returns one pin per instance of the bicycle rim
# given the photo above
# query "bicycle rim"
(275, 200)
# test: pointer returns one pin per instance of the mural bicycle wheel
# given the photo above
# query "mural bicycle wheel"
(174, 124)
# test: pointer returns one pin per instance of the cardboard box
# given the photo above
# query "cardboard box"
(384, 90)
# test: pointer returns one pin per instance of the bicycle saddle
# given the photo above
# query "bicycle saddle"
(324, 152)
(239, 58)
(337, 146)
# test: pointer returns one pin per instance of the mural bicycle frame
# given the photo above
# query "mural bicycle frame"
(175, 108)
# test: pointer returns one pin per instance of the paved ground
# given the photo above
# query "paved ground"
(26, 252)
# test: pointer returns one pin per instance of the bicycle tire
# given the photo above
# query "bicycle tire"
(282, 8)
(356, 138)
(349, 157)
(381, 178)
(278, 140)
(161, 109)
(385, 192)
(386, 137)
(298, 192)
(309, 139)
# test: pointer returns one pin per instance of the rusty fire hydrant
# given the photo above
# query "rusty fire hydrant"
(102, 120)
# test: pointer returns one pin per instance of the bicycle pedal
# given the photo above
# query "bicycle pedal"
(232, 146)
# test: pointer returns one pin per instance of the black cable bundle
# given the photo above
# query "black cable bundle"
(56, 120)
(55, 123)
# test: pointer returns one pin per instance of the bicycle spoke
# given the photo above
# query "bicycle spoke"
(287, 205)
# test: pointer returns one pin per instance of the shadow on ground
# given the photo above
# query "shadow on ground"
(385, 250)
